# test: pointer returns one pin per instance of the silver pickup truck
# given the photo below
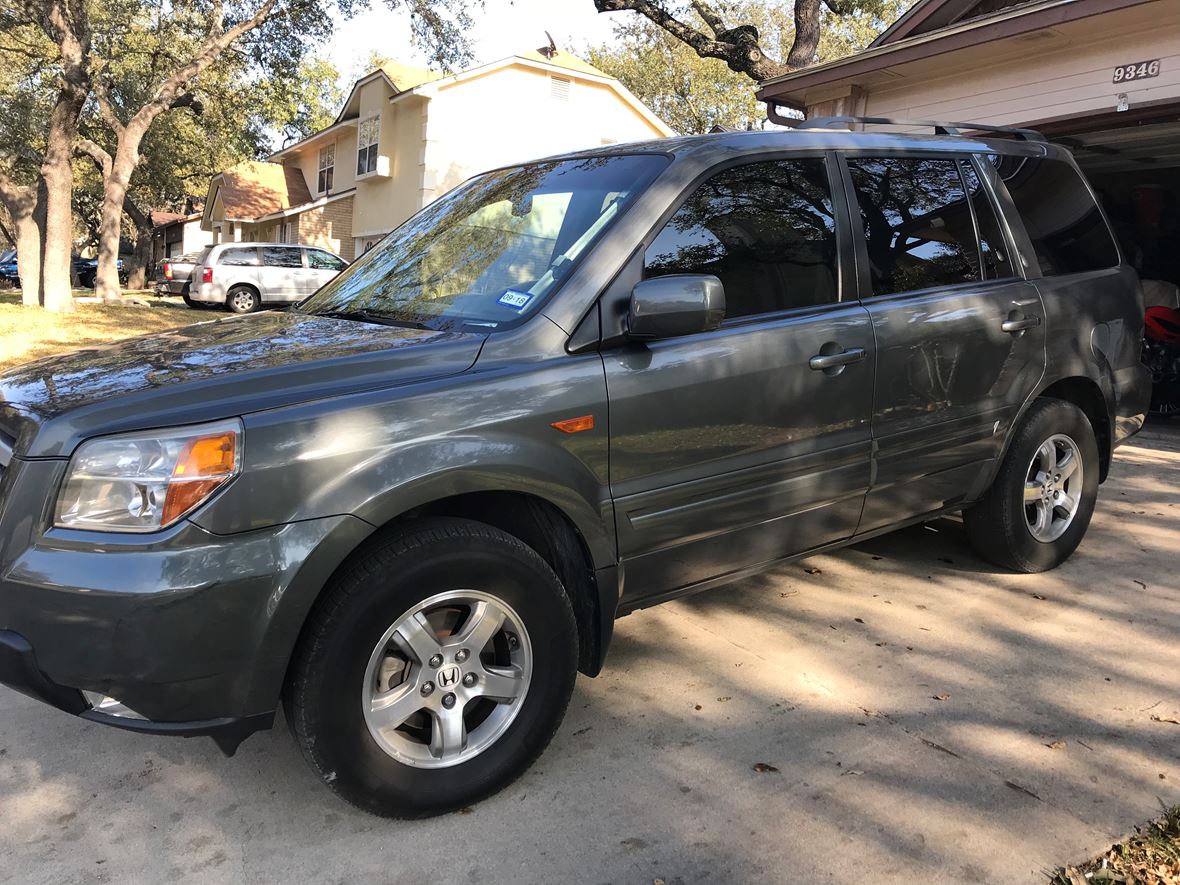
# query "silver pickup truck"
(173, 275)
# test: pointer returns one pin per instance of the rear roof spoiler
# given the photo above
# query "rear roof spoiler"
(938, 127)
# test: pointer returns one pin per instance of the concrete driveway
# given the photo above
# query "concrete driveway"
(930, 720)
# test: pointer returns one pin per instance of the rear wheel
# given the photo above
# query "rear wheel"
(1041, 501)
(243, 299)
(435, 671)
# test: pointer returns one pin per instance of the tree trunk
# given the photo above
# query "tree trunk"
(141, 258)
(30, 232)
(110, 227)
(58, 174)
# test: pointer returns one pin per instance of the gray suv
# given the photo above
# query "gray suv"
(411, 507)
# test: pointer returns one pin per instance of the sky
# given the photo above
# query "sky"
(502, 28)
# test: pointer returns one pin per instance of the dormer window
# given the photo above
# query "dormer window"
(367, 135)
(327, 169)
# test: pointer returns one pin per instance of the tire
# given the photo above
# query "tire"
(243, 299)
(195, 305)
(1038, 536)
(349, 649)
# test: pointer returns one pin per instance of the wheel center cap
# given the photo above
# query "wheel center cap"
(448, 677)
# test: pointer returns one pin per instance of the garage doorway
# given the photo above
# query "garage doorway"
(1136, 170)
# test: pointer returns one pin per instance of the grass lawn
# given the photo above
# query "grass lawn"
(29, 333)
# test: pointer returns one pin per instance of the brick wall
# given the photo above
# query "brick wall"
(329, 226)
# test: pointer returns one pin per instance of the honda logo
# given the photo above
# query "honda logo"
(448, 677)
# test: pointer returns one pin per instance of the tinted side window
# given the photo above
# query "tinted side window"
(993, 248)
(323, 260)
(1062, 219)
(767, 230)
(239, 257)
(277, 256)
(917, 224)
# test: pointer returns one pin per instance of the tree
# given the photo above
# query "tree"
(728, 32)
(76, 52)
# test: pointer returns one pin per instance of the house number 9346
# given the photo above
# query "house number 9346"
(1139, 71)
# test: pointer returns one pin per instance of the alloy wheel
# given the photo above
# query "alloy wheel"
(447, 679)
(1053, 488)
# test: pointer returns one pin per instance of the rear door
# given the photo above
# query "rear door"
(737, 447)
(960, 334)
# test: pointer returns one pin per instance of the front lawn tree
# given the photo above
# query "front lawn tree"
(107, 70)
(272, 34)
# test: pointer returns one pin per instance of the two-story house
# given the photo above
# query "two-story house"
(406, 136)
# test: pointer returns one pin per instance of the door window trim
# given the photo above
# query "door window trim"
(839, 214)
(863, 272)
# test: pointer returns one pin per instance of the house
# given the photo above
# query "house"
(1100, 76)
(406, 136)
(177, 233)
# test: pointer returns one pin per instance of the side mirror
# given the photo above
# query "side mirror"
(678, 304)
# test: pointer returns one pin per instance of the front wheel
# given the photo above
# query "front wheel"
(1040, 503)
(435, 670)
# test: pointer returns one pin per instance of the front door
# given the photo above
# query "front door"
(736, 447)
(960, 335)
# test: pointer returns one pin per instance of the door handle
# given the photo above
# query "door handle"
(823, 361)
(1021, 324)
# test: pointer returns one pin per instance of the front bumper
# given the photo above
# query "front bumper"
(191, 630)
(20, 672)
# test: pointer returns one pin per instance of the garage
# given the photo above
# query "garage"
(1100, 76)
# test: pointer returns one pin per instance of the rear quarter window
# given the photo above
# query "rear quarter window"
(239, 257)
(1068, 232)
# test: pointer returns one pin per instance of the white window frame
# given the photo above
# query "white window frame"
(368, 166)
(326, 172)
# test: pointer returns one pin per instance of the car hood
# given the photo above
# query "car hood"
(212, 370)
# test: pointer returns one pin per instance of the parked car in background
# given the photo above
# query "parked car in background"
(413, 506)
(245, 276)
(86, 271)
(173, 276)
(8, 272)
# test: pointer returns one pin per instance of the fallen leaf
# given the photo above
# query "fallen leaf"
(813, 571)
(789, 594)
(724, 699)
(697, 707)
(1038, 596)
(881, 644)
(1167, 719)
(941, 697)
(859, 620)
(1056, 745)
(850, 771)
(764, 767)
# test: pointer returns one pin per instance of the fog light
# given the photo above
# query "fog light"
(102, 703)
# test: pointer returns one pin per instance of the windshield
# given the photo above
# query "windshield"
(489, 253)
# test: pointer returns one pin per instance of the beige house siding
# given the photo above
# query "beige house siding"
(387, 198)
(329, 226)
(1046, 76)
(1038, 77)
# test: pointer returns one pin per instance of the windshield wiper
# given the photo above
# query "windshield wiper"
(370, 316)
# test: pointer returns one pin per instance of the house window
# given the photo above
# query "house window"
(327, 169)
(366, 145)
(288, 234)
(559, 88)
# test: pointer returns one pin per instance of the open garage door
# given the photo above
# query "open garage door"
(1136, 170)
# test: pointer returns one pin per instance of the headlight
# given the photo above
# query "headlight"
(142, 482)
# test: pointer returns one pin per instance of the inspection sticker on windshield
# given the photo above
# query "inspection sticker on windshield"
(514, 299)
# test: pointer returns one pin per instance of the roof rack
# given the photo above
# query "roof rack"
(939, 128)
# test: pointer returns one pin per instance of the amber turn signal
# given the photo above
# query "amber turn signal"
(575, 425)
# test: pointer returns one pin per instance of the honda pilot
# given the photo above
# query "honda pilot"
(410, 508)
